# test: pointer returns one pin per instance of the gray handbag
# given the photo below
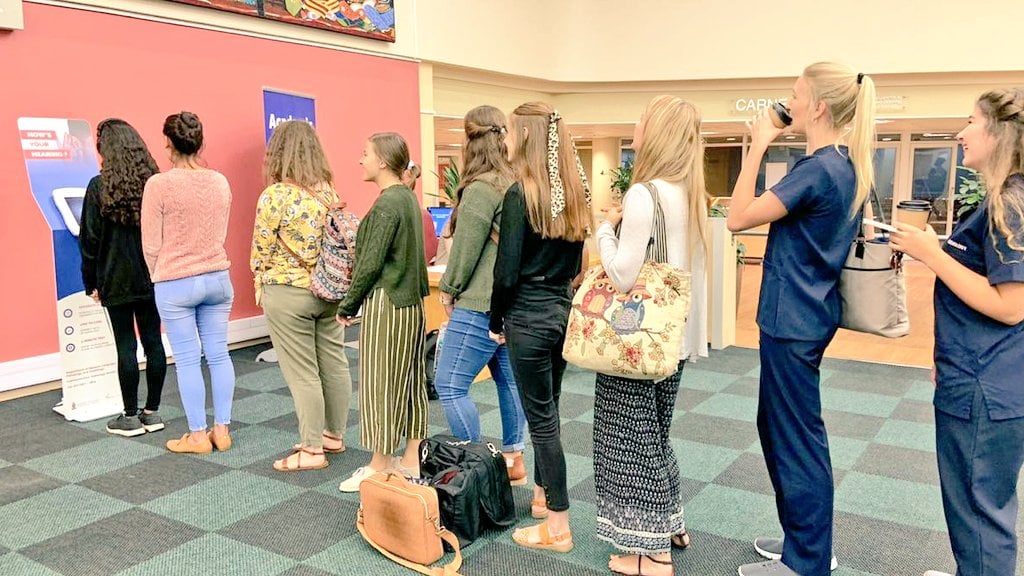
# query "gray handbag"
(873, 288)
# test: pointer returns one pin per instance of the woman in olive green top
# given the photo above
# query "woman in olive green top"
(466, 292)
(389, 282)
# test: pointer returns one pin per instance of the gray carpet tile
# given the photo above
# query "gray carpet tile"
(18, 483)
(874, 547)
(507, 558)
(112, 544)
(745, 386)
(713, 430)
(583, 491)
(748, 473)
(155, 477)
(28, 432)
(899, 463)
(297, 528)
(866, 382)
(309, 479)
(688, 399)
(914, 411)
(849, 425)
(578, 438)
(738, 361)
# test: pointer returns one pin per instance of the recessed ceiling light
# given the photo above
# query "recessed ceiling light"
(936, 134)
(883, 121)
(790, 137)
(730, 139)
(455, 129)
(886, 139)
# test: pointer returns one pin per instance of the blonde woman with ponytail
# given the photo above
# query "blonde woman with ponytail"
(979, 342)
(814, 215)
(545, 217)
(636, 476)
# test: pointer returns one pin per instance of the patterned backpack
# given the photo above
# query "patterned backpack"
(331, 277)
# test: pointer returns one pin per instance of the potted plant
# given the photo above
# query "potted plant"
(449, 178)
(622, 177)
(970, 192)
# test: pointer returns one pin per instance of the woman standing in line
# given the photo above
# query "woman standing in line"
(979, 342)
(286, 241)
(389, 283)
(114, 270)
(814, 213)
(636, 477)
(545, 217)
(184, 224)
(466, 292)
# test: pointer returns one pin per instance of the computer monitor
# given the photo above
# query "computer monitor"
(440, 214)
(69, 202)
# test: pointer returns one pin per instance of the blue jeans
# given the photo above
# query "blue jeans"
(195, 313)
(464, 353)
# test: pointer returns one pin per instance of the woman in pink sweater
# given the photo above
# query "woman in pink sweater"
(184, 224)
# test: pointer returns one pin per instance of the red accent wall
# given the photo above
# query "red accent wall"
(71, 63)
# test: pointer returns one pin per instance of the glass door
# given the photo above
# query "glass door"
(931, 174)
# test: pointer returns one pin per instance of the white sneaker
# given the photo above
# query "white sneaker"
(771, 548)
(357, 477)
(936, 573)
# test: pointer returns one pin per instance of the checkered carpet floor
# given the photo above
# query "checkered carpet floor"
(77, 501)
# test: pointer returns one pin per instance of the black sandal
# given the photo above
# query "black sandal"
(681, 541)
(640, 564)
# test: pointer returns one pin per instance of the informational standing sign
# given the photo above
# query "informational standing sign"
(60, 157)
(280, 106)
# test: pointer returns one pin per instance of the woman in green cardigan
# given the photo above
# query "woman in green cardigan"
(466, 292)
(389, 282)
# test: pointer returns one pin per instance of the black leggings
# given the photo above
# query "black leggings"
(123, 319)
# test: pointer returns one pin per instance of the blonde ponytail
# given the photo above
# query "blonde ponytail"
(850, 98)
(862, 142)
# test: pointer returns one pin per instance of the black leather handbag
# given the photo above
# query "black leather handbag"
(471, 480)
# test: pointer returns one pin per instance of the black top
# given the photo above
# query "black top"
(112, 260)
(526, 258)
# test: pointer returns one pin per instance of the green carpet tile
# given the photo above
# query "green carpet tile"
(76, 501)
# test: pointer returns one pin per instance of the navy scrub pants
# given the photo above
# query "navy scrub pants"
(795, 448)
(979, 461)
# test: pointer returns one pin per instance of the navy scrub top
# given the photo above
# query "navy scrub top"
(972, 349)
(807, 248)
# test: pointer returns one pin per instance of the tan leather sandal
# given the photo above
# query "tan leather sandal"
(539, 509)
(545, 540)
(327, 450)
(293, 462)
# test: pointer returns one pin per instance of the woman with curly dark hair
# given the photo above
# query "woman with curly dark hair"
(114, 270)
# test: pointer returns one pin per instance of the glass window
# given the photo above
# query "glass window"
(781, 160)
(722, 169)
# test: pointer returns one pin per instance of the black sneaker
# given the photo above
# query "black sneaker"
(126, 426)
(152, 422)
(771, 548)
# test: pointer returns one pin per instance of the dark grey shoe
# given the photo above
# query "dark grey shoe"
(771, 548)
(772, 568)
(126, 426)
(152, 422)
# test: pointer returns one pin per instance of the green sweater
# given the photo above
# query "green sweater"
(470, 272)
(389, 252)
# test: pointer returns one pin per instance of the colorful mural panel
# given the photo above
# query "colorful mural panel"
(369, 18)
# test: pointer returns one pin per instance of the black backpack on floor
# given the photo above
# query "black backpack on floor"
(472, 485)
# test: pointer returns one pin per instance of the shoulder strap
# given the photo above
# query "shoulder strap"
(657, 246)
(450, 569)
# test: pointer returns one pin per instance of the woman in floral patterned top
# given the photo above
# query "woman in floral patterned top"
(285, 246)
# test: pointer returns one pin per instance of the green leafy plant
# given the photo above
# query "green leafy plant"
(449, 178)
(970, 191)
(622, 177)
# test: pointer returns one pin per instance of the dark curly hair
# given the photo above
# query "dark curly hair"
(185, 132)
(127, 165)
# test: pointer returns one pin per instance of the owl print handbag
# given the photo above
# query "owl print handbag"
(636, 334)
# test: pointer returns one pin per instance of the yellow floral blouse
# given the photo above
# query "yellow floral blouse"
(286, 235)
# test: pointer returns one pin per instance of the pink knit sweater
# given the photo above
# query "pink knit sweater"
(184, 223)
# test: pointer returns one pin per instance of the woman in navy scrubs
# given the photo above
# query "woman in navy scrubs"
(979, 342)
(814, 212)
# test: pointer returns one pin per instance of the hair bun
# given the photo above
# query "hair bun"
(185, 132)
